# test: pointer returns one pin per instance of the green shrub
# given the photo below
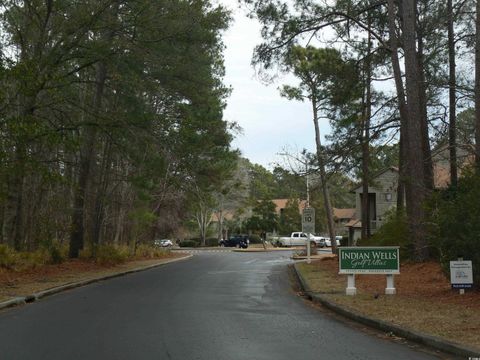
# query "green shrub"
(8, 257)
(33, 259)
(455, 223)
(13, 260)
(394, 232)
(56, 256)
(55, 252)
(188, 243)
(107, 254)
(255, 239)
(211, 242)
(86, 253)
(150, 252)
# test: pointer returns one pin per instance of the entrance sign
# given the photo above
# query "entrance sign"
(369, 260)
(308, 220)
(461, 274)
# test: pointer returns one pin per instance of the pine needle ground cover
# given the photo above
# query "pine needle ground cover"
(23, 283)
(424, 302)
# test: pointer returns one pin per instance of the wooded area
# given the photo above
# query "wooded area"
(413, 62)
(111, 120)
(112, 128)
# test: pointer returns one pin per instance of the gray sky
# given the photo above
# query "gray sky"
(270, 123)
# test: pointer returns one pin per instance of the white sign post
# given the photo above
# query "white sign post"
(308, 227)
(461, 275)
(369, 260)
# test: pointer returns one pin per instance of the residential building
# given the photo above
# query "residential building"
(382, 191)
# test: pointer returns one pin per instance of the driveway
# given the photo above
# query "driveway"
(218, 305)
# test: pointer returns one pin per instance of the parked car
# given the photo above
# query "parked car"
(299, 238)
(329, 243)
(240, 241)
(163, 243)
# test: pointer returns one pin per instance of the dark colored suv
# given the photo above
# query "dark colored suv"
(240, 241)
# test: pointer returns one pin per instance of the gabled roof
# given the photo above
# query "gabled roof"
(356, 223)
(441, 172)
(343, 213)
(282, 204)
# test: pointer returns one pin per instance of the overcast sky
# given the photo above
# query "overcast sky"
(270, 123)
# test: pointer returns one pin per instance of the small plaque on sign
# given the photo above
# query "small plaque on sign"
(461, 274)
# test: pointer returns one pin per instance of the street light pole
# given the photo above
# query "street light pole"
(308, 185)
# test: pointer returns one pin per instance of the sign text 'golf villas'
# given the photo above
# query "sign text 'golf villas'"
(369, 260)
(373, 260)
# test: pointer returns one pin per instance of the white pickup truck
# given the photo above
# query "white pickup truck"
(299, 239)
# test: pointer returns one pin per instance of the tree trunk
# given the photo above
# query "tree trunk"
(86, 162)
(401, 104)
(367, 113)
(452, 126)
(323, 177)
(220, 224)
(203, 216)
(477, 88)
(16, 192)
(415, 184)
(427, 153)
(101, 194)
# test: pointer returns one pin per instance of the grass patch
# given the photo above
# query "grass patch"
(319, 280)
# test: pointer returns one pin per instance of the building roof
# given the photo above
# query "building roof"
(355, 223)
(343, 213)
(441, 167)
(282, 204)
(441, 171)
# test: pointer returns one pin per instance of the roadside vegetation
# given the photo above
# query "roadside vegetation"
(18, 261)
(111, 122)
(112, 132)
(409, 92)
(424, 300)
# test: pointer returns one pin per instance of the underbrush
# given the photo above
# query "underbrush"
(394, 232)
(52, 253)
(189, 243)
(150, 252)
(109, 254)
(454, 226)
(106, 254)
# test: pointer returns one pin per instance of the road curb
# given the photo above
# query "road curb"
(21, 300)
(254, 250)
(409, 334)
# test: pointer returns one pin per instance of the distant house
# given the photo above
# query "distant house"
(342, 217)
(382, 196)
(281, 204)
(382, 191)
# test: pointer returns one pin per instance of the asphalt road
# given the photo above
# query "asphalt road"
(225, 306)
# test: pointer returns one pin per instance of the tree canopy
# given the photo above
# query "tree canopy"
(111, 118)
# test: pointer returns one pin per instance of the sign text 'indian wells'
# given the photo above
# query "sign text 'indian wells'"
(369, 260)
